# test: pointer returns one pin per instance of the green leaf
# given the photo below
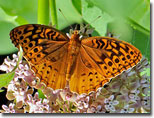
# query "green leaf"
(7, 22)
(5, 17)
(20, 20)
(6, 78)
(146, 71)
(136, 10)
(41, 95)
(138, 27)
(91, 12)
(120, 29)
(6, 46)
(69, 12)
(141, 16)
(116, 7)
(142, 42)
(26, 9)
(77, 5)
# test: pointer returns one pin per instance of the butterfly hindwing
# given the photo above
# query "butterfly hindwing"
(52, 74)
(86, 76)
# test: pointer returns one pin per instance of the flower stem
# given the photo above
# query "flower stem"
(41, 95)
(43, 12)
(53, 13)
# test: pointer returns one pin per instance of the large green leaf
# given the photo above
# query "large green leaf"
(6, 45)
(77, 5)
(141, 15)
(142, 42)
(26, 9)
(5, 17)
(8, 22)
(72, 16)
(136, 10)
(90, 13)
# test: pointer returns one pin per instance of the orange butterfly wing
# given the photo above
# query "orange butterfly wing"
(99, 60)
(45, 48)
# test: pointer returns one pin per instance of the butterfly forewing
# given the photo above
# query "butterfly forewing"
(113, 52)
(45, 48)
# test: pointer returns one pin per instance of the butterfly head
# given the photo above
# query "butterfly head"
(76, 32)
(75, 35)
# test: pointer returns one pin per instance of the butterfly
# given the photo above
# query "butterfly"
(85, 65)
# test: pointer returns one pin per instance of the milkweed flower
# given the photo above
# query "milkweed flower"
(110, 103)
(9, 109)
(36, 105)
(127, 109)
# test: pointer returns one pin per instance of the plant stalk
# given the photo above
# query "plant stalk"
(53, 12)
(43, 12)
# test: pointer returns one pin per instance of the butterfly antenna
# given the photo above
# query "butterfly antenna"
(76, 27)
(65, 18)
(89, 23)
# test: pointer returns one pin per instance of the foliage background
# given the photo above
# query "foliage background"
(129, 19)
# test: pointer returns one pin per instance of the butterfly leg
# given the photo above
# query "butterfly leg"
(67, 86)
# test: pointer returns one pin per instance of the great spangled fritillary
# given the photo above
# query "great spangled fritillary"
(85, 64)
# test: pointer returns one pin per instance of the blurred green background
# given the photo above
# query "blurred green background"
(129, 19)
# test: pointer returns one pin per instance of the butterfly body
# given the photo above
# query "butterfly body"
(85, 65)
(73, 51)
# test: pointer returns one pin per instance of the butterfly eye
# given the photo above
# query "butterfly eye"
(76, 32)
